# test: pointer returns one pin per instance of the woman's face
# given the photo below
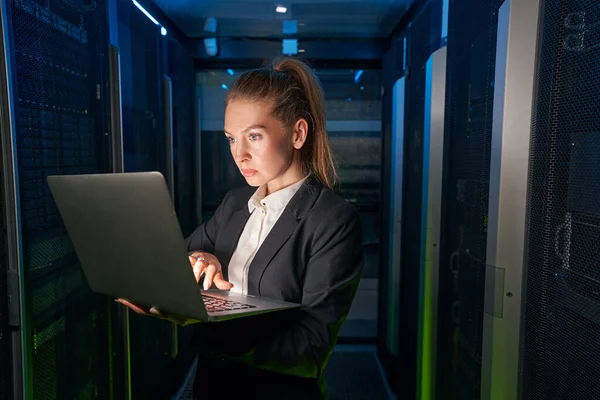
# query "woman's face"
(261, 146)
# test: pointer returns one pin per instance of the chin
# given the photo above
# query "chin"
(255, 181)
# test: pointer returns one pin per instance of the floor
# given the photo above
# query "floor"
(353, 373)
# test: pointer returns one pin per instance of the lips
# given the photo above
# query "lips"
(249, 172)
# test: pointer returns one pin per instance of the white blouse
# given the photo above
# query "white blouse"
(264, 213)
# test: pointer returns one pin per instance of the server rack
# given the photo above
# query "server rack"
(433, 160)
(146, 145)
(58, 70)
(387, 338)
(158, 135)
(423, 38)
(513, 87)
(467, 143)
(561, 321)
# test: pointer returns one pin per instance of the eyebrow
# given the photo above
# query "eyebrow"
(258, 126)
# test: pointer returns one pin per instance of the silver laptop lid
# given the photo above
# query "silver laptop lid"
(128, 240)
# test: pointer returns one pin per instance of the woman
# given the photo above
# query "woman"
(288, 236)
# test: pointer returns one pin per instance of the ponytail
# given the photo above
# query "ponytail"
(295, 92)
(317, 155)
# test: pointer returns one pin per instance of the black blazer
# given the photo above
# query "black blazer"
(312, 256)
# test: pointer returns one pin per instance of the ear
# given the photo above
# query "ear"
(300, 133)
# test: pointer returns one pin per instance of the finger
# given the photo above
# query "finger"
(135, 307)
(194, 256)
(210, 276)
(199, 268)
(221, 283)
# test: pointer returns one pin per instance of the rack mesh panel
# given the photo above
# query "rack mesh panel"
(562, 291)
(469, 105)
(61, 120)
(5, 343)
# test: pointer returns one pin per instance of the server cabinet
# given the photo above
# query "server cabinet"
(516, 41)
(469, 105)
(423, 39)
(59, 103)
(561, 322)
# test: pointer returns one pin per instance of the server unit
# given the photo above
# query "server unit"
(513, 88)
(64, 92)
(433, 160)
(562, 278)
(58, 98)
(391, 209)
(158, 89)
(488, 125)
(404, 253)
(468, 127)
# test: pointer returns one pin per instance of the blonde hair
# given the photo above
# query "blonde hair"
(295, 92)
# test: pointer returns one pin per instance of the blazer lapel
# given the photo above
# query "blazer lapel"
(280, 233)
(230, 237)
(285, 226)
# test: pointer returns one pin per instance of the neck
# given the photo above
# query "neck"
(292, 175)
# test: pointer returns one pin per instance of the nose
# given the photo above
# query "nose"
(239, 151)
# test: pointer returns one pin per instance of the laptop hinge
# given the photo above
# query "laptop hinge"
(14, 309)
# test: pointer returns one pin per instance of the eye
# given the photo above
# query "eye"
(230, 139)
(254, 136)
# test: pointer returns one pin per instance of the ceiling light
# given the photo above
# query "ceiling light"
(281, 9)
(211, 46)
(210, 25)
(142, 9)
(357, 75)
(163, 31)
(290, 47)
(290, 27)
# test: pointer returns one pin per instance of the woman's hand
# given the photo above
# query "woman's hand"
(202, 264)
(209, 265)
(155, 312)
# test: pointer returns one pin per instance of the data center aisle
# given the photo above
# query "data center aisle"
(353, 373)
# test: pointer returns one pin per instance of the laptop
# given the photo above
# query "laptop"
(128, 240)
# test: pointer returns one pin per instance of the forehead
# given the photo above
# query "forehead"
(240, 115)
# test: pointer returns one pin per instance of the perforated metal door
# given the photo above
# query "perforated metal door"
(59, 52)
(469, 104)
(562, 292)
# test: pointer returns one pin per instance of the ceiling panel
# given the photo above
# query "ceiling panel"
(258, 18)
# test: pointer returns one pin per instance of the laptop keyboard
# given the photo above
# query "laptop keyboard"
(214, 304)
